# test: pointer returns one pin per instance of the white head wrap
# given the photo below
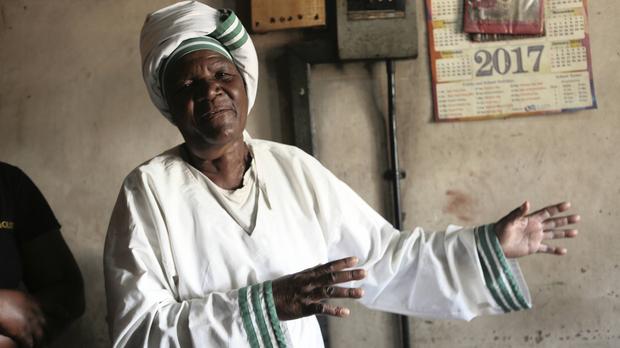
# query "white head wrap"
(164, 30)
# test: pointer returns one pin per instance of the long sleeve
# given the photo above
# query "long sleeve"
(144, 305)
(459, 273)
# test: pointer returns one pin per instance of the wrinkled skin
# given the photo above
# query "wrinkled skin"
(303, 293)
(207, 99)
(21, 318)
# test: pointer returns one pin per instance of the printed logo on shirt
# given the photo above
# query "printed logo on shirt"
(6, 225)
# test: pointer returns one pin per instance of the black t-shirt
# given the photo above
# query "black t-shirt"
(24, 214)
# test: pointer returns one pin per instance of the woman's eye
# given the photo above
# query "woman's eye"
(221, 75)
(185, 86)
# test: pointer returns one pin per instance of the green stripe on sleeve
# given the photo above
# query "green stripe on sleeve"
(247, 319)
(273, 315)
(496, 272)
(260, 319)
(505, 267)
(487, 276)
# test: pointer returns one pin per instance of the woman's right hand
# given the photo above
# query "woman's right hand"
(21, 318)
(303, 294)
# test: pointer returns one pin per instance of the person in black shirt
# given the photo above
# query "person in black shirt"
(41, 288)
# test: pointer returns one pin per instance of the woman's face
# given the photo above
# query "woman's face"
(207, 99)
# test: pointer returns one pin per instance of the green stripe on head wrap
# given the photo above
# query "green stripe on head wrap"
(229, 18)
(165, 29)
(231, 32)
(188, 46)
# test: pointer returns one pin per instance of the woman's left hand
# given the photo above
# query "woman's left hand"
(521, 234)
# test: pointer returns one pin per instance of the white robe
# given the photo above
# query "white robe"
(180, 272)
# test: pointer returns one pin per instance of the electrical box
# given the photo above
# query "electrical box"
(268, 15)
(377, 29)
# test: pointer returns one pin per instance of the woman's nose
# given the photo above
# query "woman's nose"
(208, 90)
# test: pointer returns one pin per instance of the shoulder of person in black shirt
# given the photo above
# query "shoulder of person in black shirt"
(21, 198)
(34, 256)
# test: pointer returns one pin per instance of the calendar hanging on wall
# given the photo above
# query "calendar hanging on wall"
(496, 78)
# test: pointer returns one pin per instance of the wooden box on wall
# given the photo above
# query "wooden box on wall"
(268, 15)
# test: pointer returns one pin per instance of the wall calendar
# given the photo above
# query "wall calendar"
(519, 77)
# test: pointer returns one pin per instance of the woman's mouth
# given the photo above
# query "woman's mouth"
(215, 113)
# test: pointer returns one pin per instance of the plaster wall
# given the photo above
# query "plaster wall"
(471, 173)
(75, 116)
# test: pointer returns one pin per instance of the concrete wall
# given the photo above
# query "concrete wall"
(74, 114)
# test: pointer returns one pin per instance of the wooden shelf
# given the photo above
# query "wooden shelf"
(269, 15)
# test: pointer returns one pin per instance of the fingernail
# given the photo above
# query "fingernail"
(345, 312)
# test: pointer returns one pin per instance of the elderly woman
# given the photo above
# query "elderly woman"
(216, 242)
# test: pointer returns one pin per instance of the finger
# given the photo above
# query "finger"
(7, 342)
(35, 318)
(325, 309)
(556, 234)
(37, 335)
(37, 330)
(325, 292)
(552, 223)
(24, 339)
(341, 277)
(37, 315)
(334, 266)
(518, 212)
(550, 249)
(552, 210)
